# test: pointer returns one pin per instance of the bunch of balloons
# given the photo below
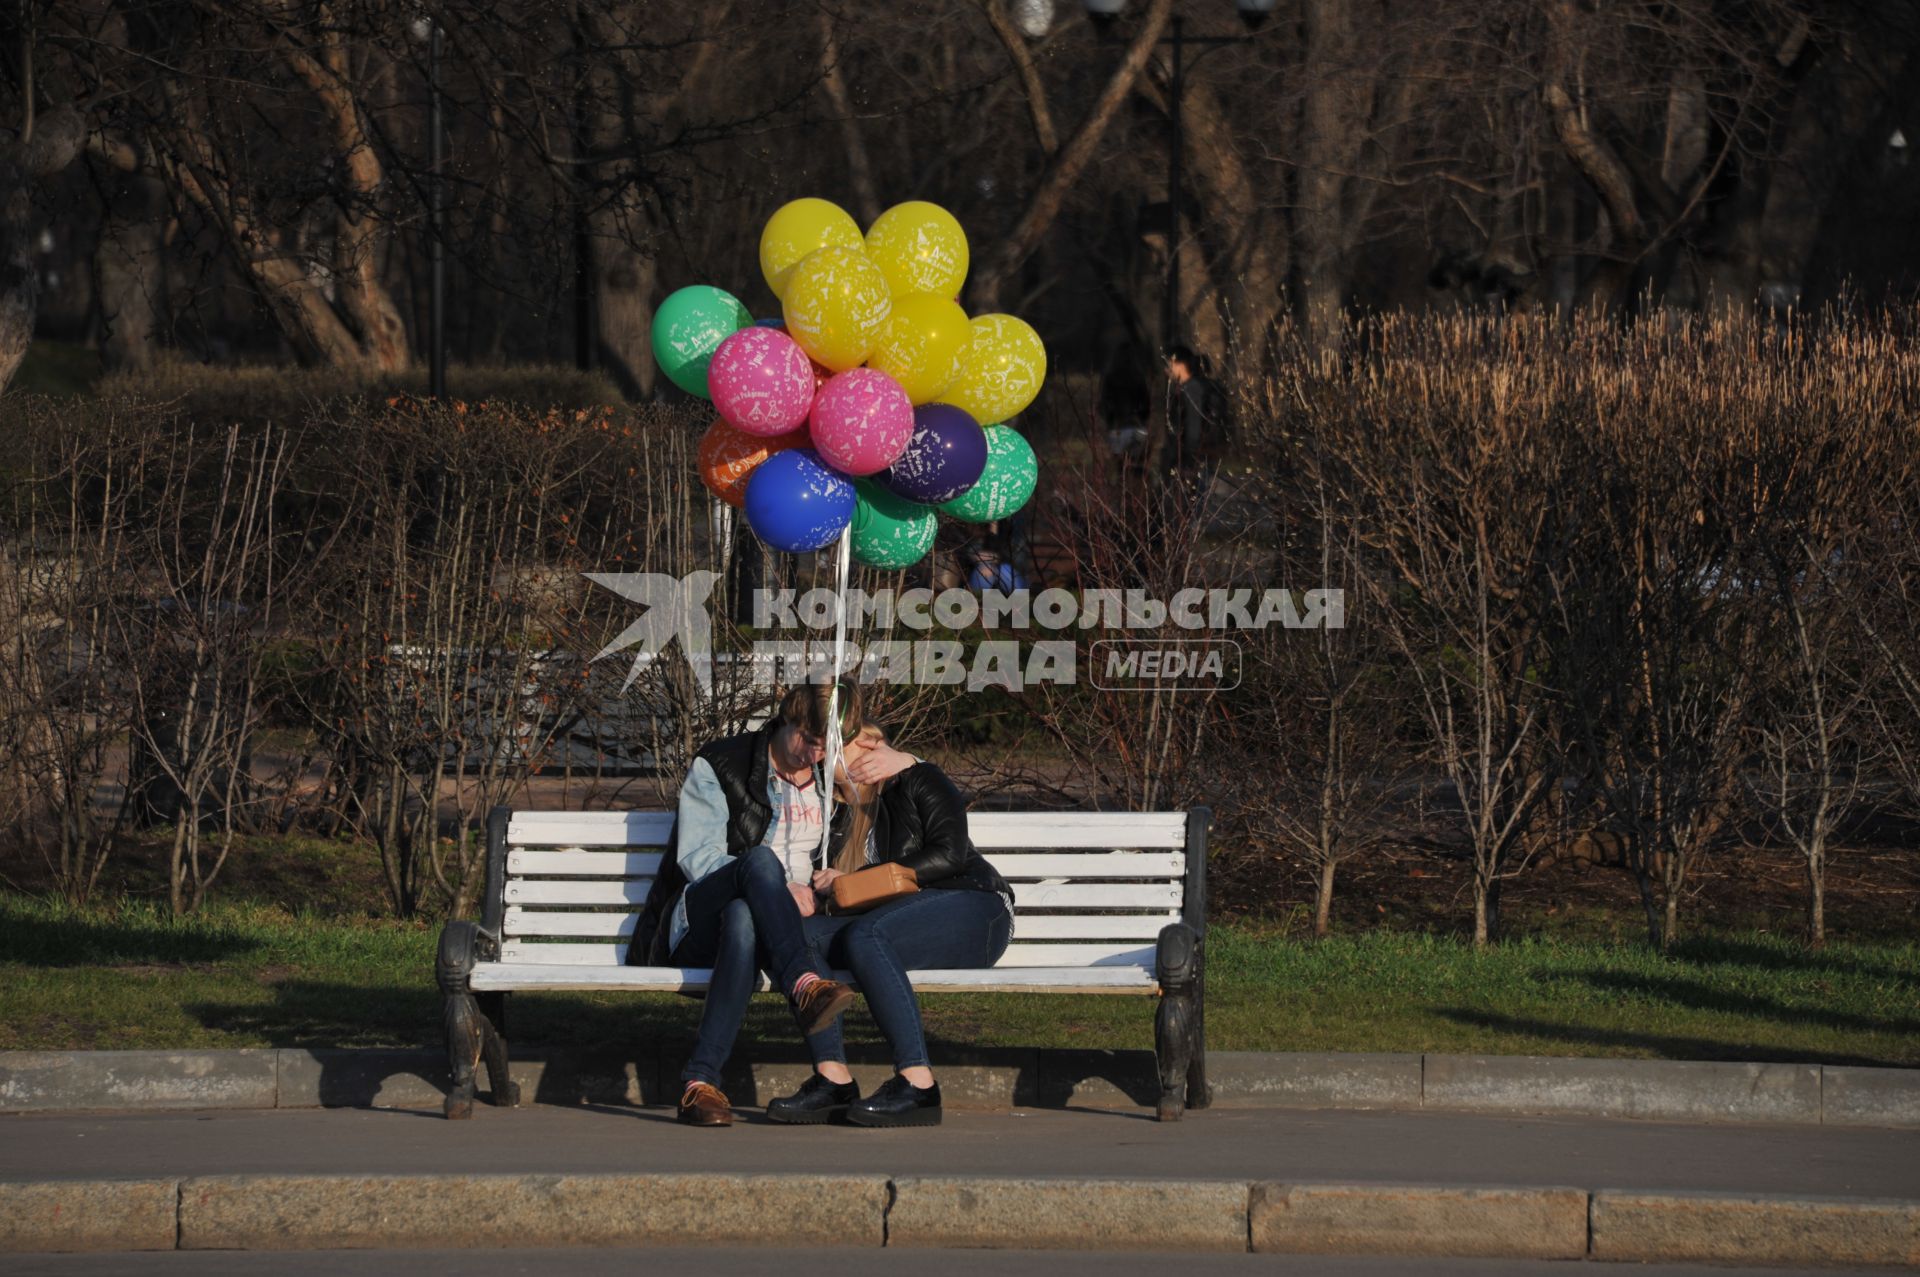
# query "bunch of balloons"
(873, 401)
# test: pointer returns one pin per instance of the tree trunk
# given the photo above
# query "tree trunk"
(362, 295)
(1334, 130)
(131, 270)
(1069, 163)
(1323, 902)
(44, 148)
(1246, 251)
(866, 198)
(624, 278)
(1840, 100)
(1817, 899)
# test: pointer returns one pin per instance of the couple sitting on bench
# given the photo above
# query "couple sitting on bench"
(748, 886)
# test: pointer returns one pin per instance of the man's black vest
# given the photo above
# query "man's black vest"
(741, 765)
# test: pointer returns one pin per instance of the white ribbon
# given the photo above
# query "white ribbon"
(834, 741)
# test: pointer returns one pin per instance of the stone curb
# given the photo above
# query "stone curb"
(1388, 1219)
(86, 1215)
(311, 1212)
(1708, 1228)
(69, 1081)
(1074, 1214)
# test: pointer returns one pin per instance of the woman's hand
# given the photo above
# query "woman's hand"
(823, 879)
(803, 897)
(879, 763)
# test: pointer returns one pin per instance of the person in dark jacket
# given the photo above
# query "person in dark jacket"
(962, 916)
(1199, 420)
(736, 885)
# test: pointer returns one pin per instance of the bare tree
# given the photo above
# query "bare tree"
(219, 560)
(1326, 757)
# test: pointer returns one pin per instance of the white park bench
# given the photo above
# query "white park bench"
(1104, 903)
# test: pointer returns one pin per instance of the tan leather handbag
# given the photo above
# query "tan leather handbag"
(875, 885)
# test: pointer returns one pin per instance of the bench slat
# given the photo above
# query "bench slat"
(1120, 954)
(489, 976)
(1085, 864)
(1026, 895)
(586, 864)
(1170, 866)
(1073, 831)
(528, 922)
(991, 830)
(585, 829)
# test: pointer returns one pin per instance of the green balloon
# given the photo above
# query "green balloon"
(689, 327)
(890, 531)
(1004, 485)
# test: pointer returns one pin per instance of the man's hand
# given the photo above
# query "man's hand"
(823, 879)
(803, 897)
(879, 763)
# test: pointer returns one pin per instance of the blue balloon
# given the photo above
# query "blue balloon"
(943, 460)
(796, 502)
(779, 323)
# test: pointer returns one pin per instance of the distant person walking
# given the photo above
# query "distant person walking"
(1199, 422)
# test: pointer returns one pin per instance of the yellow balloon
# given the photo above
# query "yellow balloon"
(922, 345)
(836, 304)
(1001, 371)
(920, 248)
(801, 227)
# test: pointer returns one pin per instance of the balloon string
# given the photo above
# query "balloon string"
(834, 741)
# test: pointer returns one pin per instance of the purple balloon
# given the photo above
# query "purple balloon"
(943, 459)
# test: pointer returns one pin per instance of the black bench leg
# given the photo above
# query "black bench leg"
(1199, 1094)
(466, 1028)
(493, 1047)
(1176, 1025)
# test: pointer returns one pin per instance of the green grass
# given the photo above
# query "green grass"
(251, 975)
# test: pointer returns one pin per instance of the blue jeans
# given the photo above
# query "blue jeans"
(741, 919)
(932, 930)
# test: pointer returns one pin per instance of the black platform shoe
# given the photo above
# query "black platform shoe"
(898, 1102)
(817, 1101)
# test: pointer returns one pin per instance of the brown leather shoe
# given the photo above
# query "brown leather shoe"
(703, 1105)
(820, 1005)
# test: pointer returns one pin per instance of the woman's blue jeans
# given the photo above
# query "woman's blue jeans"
(741, 919)
(934, 930)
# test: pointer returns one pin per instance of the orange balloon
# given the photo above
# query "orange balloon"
(728, 457)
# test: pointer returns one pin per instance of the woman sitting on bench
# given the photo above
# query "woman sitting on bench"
(962, 917)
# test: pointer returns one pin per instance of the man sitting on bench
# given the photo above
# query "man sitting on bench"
(737, 880)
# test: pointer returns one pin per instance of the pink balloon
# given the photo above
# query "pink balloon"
(862, 421)
(762, 382)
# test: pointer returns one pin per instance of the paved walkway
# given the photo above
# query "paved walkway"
(732, 1262)
(1254, 1144)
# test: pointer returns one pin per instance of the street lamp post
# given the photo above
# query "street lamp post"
(436, 216)
(1253, 13)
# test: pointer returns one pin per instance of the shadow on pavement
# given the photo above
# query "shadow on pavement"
(382, 1045)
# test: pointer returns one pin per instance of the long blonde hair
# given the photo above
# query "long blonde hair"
(860, 800)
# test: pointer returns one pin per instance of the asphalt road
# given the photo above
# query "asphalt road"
(1266, 1144)
(718, 1262)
